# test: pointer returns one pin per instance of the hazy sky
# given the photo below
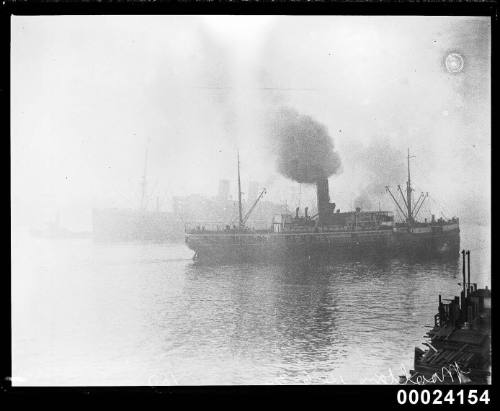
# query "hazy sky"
(90, 93)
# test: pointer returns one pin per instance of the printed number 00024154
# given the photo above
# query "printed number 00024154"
(437, 396)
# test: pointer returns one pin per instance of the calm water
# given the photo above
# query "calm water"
(136, 314)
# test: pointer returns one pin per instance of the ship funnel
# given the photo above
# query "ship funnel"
(305, 212)
(323, 200)
(297, 212)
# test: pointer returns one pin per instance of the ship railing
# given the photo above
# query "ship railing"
(444, 221)
(208, 227)
(203, 226)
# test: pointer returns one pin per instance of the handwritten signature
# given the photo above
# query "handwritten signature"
(452, 372)
(438, 377)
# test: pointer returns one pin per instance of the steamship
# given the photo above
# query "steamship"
(136, 225)
(329, 232)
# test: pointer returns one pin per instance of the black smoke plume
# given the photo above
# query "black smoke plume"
(305, 151)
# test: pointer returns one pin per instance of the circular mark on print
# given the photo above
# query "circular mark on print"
(454, 63)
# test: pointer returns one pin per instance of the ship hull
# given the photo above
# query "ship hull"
(281, 246)
(435, 240)
(284, 249)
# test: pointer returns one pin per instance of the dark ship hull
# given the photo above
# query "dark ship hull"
(279, 246)
(115, 225)
(285, 246)
(438, 239)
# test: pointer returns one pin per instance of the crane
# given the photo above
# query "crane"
(247, 215)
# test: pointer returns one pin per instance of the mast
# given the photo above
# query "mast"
(407, 208)
(240, 212)
(144, 182)
(408, 192)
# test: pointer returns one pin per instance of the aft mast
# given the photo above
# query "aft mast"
(407, 208)
(408, 193)
(240, 211)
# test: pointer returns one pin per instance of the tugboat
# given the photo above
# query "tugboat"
(459, 350)
(327, 233)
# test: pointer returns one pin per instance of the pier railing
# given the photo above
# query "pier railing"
(466, 309)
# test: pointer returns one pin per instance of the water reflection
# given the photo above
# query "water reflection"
(313, 314)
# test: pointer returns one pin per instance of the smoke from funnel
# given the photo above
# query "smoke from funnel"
(364, 201)
(305, 150)
(383, 165)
